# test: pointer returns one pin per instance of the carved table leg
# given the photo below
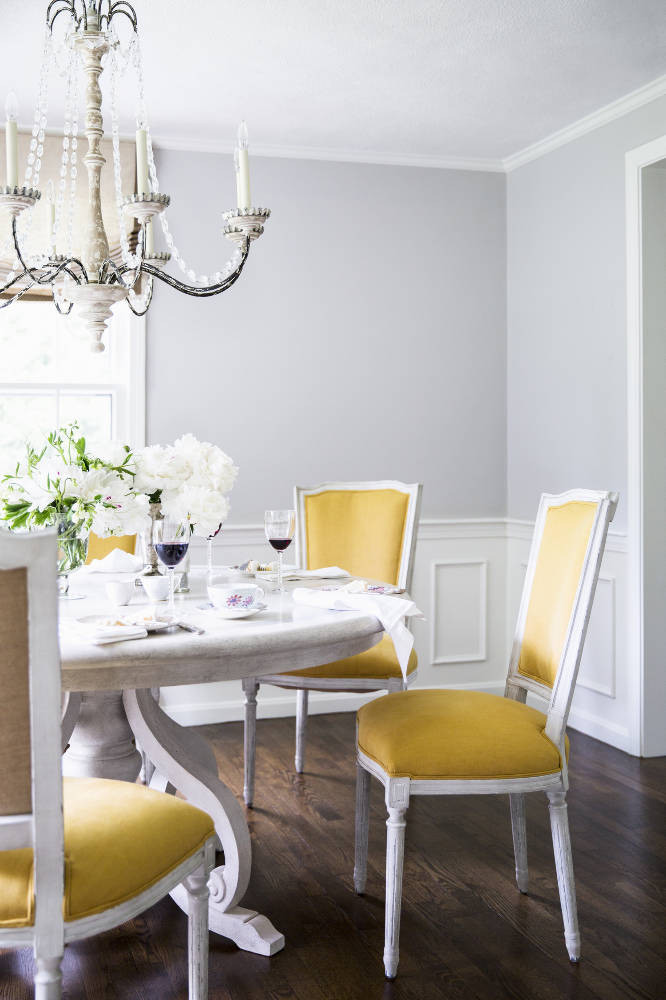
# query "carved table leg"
(181, 761)
(101, 744)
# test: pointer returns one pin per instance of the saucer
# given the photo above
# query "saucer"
(230, 613)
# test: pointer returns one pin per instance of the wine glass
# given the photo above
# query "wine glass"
(209, 539)
(171, 538)
(279, 526)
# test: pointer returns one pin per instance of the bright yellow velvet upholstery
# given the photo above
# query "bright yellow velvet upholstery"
(378, 662)
(360, 530)
(120, 839)
(435, 734)
(100, 547)
(566, 535)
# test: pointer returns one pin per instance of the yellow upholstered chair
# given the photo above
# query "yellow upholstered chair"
(467, 742)
(369, 529)
(121, 847)
(100, 547)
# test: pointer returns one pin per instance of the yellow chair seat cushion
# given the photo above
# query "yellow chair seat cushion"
(442, 735)
(120, 839)
(376, 663)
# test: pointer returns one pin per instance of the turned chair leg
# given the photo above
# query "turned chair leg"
(395, 849)
(559, 825)
(197, 934)
(48, 979)
(519, 831)
(362, 822)
(250, 688)
(301, 726)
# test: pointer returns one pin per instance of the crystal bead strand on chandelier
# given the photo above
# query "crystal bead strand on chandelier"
(142, 122)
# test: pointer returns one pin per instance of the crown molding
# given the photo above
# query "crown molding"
(337, 155)
(616, 109)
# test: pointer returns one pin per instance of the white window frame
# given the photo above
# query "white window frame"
(127, 388)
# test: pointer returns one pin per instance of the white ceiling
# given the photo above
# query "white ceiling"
(377, 79)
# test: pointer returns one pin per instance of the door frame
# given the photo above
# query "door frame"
(635, 161)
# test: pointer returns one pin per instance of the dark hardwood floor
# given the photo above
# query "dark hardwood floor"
(466, 932)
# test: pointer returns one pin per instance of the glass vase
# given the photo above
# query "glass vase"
(72, 548)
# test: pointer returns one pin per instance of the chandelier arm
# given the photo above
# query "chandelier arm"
(118, 273)
(19, 294)
(149, 299)
(63, 312)
(49, 276)
(65, 5)
(208, 290)
(123, 7)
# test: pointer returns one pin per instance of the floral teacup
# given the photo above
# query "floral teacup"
(235, 596)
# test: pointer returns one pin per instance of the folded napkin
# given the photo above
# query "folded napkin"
(117, 561)
(325, 573)
(389, 609)
(101, 635)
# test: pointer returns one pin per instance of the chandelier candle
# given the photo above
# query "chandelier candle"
(11, 138)
(142, 183)
(243, 168)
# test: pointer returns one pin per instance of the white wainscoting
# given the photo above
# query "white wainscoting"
(468, 576)
(603, 700)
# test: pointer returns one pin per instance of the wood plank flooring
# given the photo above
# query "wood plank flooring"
(467, 933)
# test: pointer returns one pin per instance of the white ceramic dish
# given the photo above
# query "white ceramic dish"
(229, 614)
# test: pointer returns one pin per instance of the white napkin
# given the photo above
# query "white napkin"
(117, 561)
(325, 573)
(389, 609)
(101, 635)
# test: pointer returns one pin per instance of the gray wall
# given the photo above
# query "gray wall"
(654, 457)
(566, 358)
(366, 339)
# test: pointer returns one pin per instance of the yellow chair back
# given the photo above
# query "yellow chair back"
(360, 530)
(566, 536)
(100, 547)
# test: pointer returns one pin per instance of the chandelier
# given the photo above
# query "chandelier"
(94, 282)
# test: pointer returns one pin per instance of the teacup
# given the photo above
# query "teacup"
(234, 596)
(120, 591)
(156, 587)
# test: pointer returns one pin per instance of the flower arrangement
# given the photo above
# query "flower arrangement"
(60, 477)
(190, 479)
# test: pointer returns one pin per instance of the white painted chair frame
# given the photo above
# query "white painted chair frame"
(42, 830)
(304, 685)
(399, 790)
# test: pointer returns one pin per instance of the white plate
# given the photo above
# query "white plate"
(231, 613)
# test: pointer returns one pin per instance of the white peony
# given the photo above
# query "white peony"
(205, 509)
(159, 468)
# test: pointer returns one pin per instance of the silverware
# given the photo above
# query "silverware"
(190, 628)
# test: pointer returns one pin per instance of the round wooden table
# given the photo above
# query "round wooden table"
(110, 711)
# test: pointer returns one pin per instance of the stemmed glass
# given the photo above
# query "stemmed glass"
(279, 526)
(209, 539)
(171, 538)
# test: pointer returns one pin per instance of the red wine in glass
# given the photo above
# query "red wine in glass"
(171, 553)
(280, 544)
(279, 526)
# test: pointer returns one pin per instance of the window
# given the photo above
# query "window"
(49, 376)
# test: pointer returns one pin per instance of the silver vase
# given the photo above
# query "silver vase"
(151, 567)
